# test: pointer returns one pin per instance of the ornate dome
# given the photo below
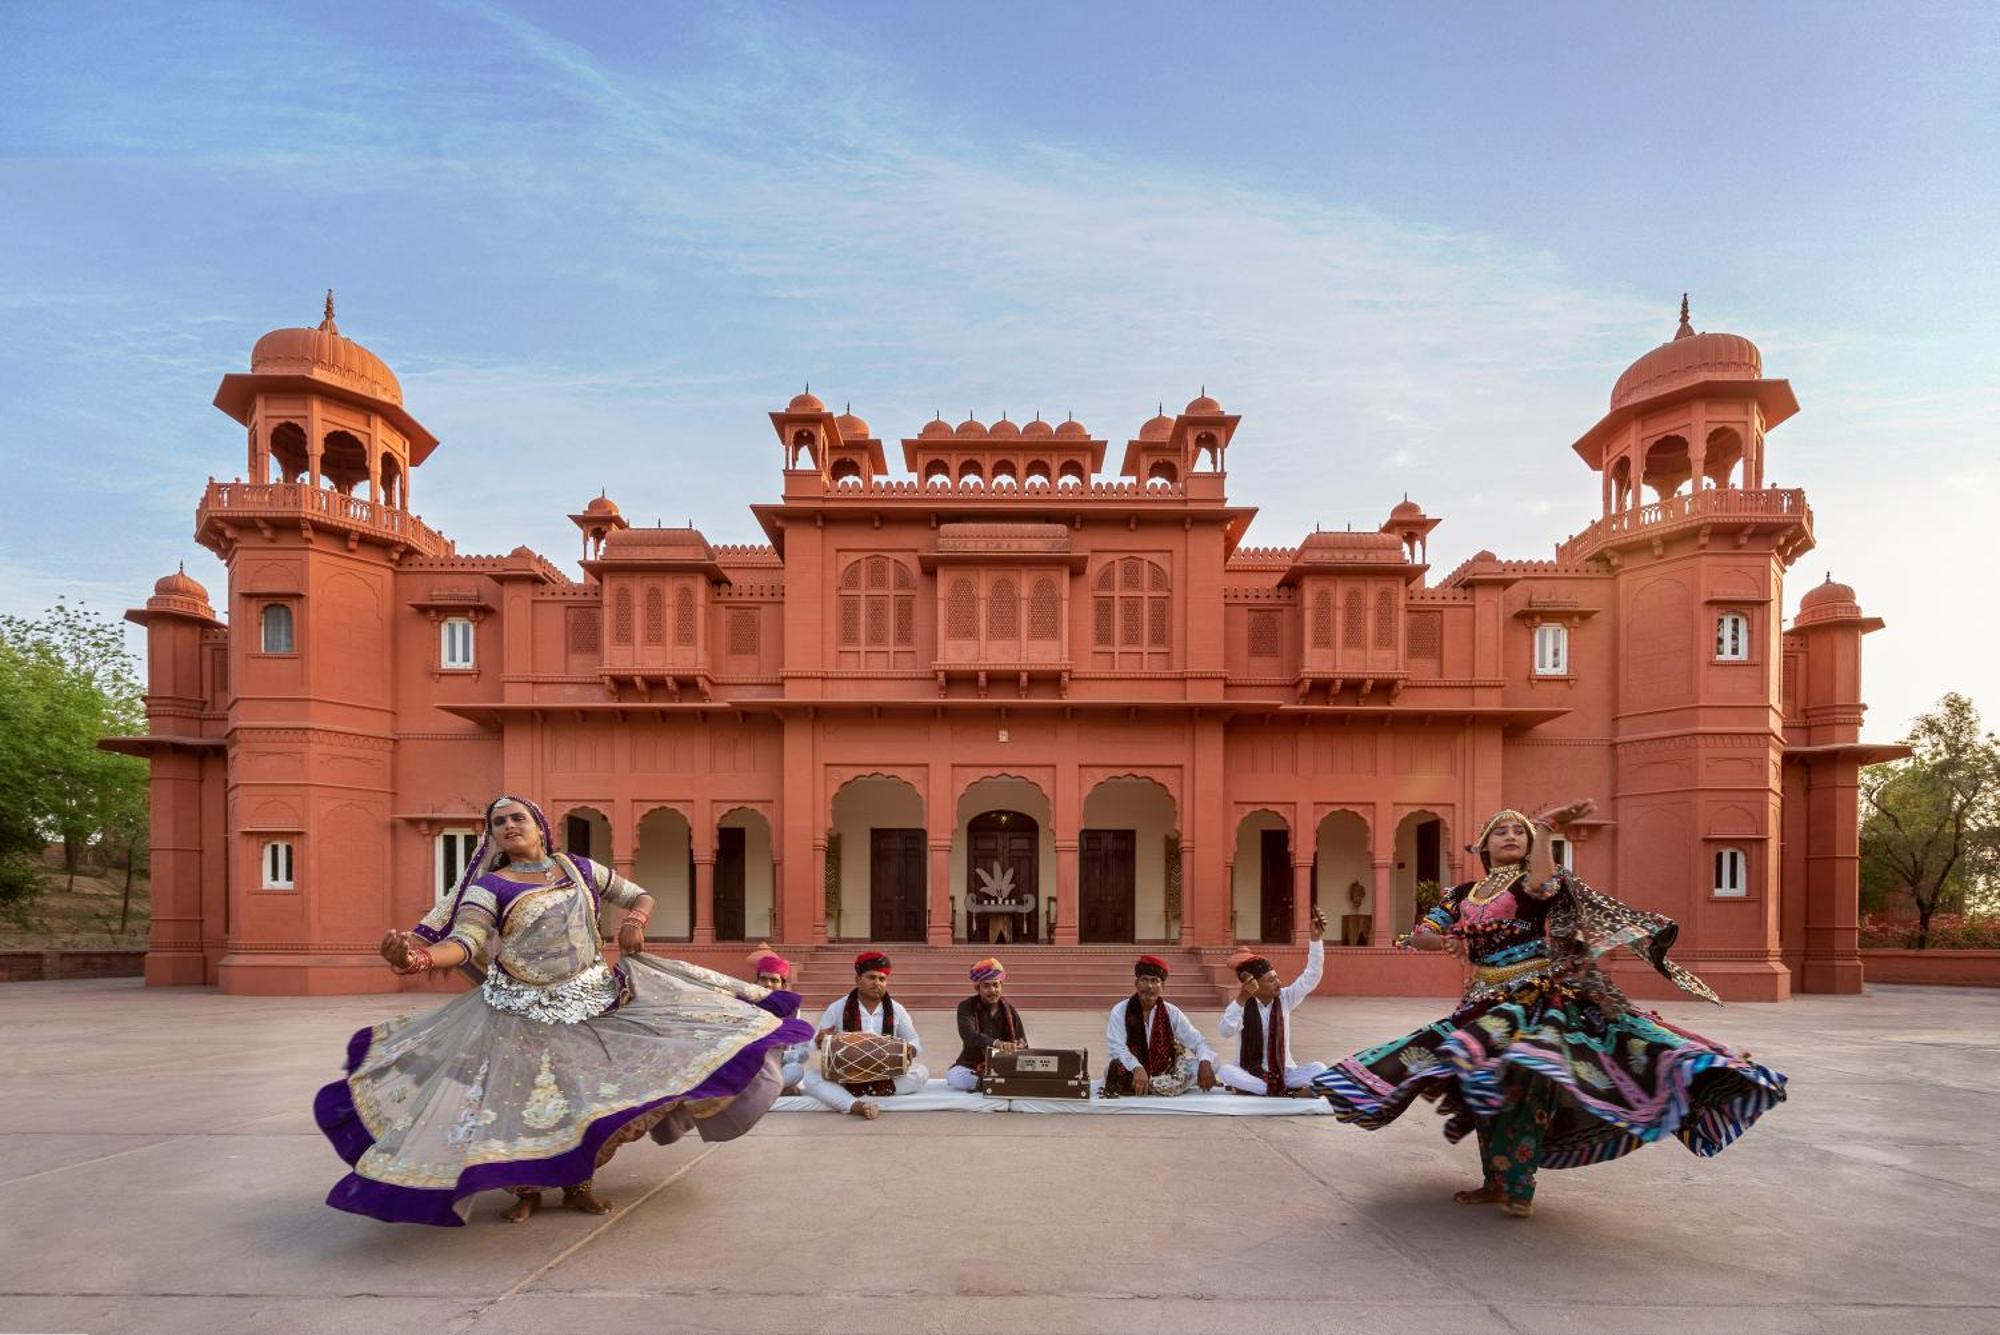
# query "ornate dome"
(1158, 428)
(1003, 427)
(1828, 594)
(970, 428)
(805, 403)
(934, 428)
(1038, 430)
(601, 504)
(325, 354)
(180, 584)
(1686, 358)
(1203, 406)
(1072, 430)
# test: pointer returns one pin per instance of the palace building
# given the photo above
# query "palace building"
(997, 690)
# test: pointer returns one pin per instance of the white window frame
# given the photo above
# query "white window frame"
(264, 628)
(278, 861)
(458, 633)
(1732, 873)
(1564, 852)
(449, 854)
(1739, 652)
(1551, 649)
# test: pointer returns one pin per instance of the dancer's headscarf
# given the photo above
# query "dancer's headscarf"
(486, 858)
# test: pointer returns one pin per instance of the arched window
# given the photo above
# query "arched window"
(275, 627)
(1732, 873)
(278, 865)
(1385, 619)
(684, 617)
(961, 610)
(1551, 651)
(1132, 605)
(455, 644)
(1003, 610)
(621, 617)
(846, 473)
(1162, 474)
(1353, 614)
(1045, 611)
(1070, 476)
(877, 604)
(1322, 619)
(656, 616)
(1732, 638)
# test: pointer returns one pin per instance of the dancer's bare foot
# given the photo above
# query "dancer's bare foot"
(525, 1204)
(580, 1197)
(865, 1110)
(1486, 1195)
(1517, 1209)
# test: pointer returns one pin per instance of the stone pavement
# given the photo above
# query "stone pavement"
(159, 1172)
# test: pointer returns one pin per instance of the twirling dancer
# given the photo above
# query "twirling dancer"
(536, 1077)
(1545, 1058)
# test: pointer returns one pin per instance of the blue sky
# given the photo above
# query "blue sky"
(1413, 246)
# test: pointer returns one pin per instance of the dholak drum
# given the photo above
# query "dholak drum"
(864, 1063)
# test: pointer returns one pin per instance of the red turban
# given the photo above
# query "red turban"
(871, 961)
(1150, 966)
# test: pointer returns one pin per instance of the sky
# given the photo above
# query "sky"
(1413, 246)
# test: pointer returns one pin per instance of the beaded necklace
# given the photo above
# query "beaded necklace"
(1495, 883)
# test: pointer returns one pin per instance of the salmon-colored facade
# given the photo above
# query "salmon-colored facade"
(998, 693)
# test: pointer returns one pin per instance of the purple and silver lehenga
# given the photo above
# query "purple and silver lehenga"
(1545, 1057)
(558, 1057)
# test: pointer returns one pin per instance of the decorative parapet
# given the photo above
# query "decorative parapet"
(1727, 508)
(232, 506)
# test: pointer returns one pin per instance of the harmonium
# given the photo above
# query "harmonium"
(1037, 1073)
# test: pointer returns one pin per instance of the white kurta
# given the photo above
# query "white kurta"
(1183, 1028)
(910, 1082)
(1290, 997)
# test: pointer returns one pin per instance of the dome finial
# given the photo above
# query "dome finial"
(326, 324)
(1686, 330)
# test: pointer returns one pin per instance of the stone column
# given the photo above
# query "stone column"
(702, 931)
(1066, 911)
(1382, 902)
(1301, 901)
(1187, 895)
(938, 929)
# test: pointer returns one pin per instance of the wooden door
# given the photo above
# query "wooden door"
(895, 885)
(729, 924)
(1107, 889)
(998, 843)
(1430, 851)
(1276, 900)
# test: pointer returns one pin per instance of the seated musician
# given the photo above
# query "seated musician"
(868, 1009)
(774, 971)
(985, 1021)
(1155, 1048)
(1262, 1014)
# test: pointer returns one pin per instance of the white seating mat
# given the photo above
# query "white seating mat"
(938, 1096)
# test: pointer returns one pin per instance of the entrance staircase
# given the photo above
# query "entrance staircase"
(1039, 977)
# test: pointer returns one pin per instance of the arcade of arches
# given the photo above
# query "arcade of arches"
(1003, 682)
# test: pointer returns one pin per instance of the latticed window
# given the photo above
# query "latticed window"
(742, 631)
(684, 617)
(1044, 611)
(1353, 609)
(1266, 637)
(656, 616)
(961, 611)
(1322, 619)
(1003, 610)
(878, 597)
(1132, 607)
(1426, 635)
(1385, 619)
(583, 630)
(621, 617)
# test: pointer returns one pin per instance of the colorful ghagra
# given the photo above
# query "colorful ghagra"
(534, 1078)
(1545, 1057)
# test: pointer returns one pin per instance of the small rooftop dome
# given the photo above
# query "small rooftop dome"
(1158, 428)
(1407, 509)
(180, 584)
(1003, 427)
(970, 428)
(1038, 430)
(851, 427)
(937, 426)
(1824, 595)
(1203, 406)
(1072, 430)
(327, 355)
(807, 402)
(601, 504)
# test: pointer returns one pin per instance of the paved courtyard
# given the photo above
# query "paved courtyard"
(159, 1172)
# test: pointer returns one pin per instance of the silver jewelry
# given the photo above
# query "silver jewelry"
(522, 864)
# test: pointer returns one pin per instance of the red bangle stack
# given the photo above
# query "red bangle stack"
(419, 961)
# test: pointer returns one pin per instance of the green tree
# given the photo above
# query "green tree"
(66, 682)
(1931, 823)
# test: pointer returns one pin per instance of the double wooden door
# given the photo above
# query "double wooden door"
(1003, 857)
(896, 885)
(1107, 885)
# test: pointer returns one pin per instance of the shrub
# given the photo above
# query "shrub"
(1949, 931)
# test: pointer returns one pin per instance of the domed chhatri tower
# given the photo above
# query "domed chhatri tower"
(1018, 662)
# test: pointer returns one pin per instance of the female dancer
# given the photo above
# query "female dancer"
(534, 1079)
(1545, 1058)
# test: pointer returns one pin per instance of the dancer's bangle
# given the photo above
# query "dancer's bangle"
(635, 918)
(418, 960)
